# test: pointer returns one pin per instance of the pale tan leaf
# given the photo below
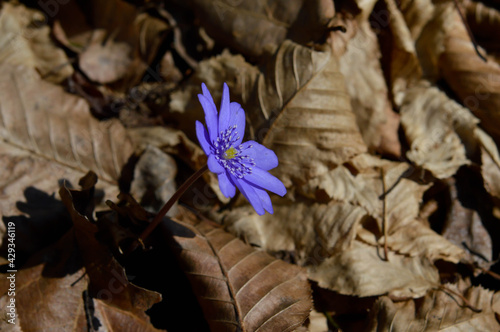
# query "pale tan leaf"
(358, 271)
(490, 158)
(429, 119)
(25, 40)
(312, 231)
(306, 113)
(417, 240)
(366, 86)
(238, 287)
(43, 119)
(439, 310)
(404, 66)
(416, 14)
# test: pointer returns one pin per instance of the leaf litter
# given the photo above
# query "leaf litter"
(383, 116)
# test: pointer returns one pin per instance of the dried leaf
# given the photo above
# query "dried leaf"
(429, 119)
(490, 159)
(416, 14)
(311, 231)
(366, 86)
(237, 286)
(357, 271)
(404, 66)
(448, 52)
(484, 21)
(270, 22)
(154, 179)
(305, 114)
(25, 40)
(52, 288)
(439, 310)
(101, 267)
(48, 122)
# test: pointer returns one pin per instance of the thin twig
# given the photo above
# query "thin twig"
(384, 219)
(466, 302)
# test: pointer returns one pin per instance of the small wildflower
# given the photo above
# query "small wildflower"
(237, 164)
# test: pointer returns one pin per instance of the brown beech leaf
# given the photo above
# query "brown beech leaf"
(448, 52)
(305, 114)
(366, 86)
(252, 27)
(25, 40)
(48, 293)
(41, 118)
(439, 310)
(238, 287)
(362, 271)
(431, 121)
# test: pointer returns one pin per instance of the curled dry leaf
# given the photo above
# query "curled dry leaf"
(25, 40)
(429, 119)
(366, 86)
(357, 271)
(404, 65)
(154, 179)
(449, 53)
(41, 118)
(238, 287)
(490, 158)
(255, 27)
(305, 114)
(416, 14)
(439, 310)
(484, 21)
(311, 231)
(464, 227)
(101, 267)
(115, 40)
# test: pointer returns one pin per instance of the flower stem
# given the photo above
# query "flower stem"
(159, 217)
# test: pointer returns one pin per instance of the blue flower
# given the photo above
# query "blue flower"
(237, 164)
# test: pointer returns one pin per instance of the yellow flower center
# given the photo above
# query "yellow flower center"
(230, 153)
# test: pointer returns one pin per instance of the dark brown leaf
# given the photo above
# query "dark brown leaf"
(238, 287)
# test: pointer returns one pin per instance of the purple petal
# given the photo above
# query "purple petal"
(214, 166)
(210, 116)
(238, 120)
(202, 135)
(264, 180)
(226, 187)
(265, 200)
(263, 157)
(225, 111)
(207, 95)
(251, 195)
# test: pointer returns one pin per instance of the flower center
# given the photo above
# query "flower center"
(230, 153)
(231, 157)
